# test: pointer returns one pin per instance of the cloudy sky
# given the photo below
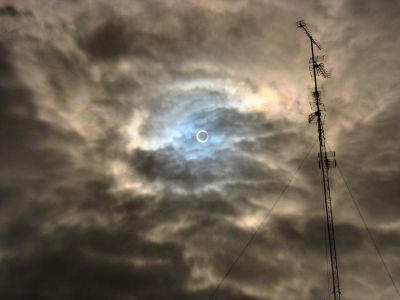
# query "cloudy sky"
(105, 193)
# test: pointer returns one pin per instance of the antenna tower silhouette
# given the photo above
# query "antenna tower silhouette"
(326, 160)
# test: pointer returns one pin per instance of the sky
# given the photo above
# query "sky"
(105, 193)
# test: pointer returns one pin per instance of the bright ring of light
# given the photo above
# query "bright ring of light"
(198, 136)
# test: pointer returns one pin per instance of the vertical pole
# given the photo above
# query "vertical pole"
(324, 165)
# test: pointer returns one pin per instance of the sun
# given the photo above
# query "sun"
(202, 136)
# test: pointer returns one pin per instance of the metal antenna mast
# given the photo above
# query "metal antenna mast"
(326, 159)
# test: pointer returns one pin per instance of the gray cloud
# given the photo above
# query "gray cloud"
(9, 10)
(105, 192)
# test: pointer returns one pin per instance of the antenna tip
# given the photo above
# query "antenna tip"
(301, 23)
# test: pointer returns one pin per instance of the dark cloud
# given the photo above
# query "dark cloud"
(71, 269)
(109, 41)
(9, 10)
(105, 193)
